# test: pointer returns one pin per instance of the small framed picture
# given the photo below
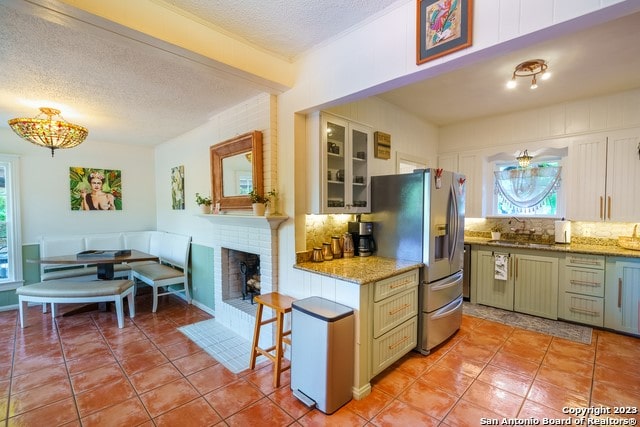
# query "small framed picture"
(443, 27)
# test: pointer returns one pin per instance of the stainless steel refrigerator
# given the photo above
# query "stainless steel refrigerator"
(420, 217)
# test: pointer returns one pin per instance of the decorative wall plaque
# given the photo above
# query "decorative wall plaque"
(382, 145)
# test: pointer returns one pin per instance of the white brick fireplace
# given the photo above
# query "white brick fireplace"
(247, 233)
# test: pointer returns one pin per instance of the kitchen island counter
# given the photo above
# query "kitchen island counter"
(359, 270)
(607, 247)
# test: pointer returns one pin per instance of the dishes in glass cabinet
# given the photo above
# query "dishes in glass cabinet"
(335, 203)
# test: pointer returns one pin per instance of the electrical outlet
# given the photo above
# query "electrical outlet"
(587, 232)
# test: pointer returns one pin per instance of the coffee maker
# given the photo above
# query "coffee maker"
(362, 233)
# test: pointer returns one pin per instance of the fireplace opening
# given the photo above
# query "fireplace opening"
(250, 280)
(240, 278)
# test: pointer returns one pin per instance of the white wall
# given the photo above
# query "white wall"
(44, 187)
(615, 111)
(192, 151)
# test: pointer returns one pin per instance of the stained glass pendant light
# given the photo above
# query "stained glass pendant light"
(49, 132)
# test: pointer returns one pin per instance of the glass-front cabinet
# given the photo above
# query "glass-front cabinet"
(344, 147)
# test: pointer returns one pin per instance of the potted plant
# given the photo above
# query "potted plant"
(272, 203)
(258, 202)
(204, 203)
(496, 230)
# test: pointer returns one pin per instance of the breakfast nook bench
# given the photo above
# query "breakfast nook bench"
(60, 291)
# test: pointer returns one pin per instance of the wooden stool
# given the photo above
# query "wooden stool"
(281, 304)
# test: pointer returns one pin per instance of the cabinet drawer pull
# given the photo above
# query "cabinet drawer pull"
(399, 284)
(398, 310)
(585, 283)
(619, 292)
(583, 311)
(584, 261)
(392, 346)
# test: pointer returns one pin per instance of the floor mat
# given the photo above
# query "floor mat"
(221, 343)
(557, 328)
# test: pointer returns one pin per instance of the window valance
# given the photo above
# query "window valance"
(527, 188)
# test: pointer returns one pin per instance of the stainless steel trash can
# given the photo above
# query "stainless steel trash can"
(322, 353)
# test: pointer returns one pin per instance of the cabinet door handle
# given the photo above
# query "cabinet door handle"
(516, 268)
(619, 292)
(609, 207)
(601, 206)
(510, 267)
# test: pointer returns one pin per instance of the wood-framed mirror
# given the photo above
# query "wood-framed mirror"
(236, 168)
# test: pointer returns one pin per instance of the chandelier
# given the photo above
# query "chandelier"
(48, 132)
(531, 68)
(524, 159)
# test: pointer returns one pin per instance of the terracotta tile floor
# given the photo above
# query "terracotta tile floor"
(83, 370)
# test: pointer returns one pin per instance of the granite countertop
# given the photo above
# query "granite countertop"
(607, 247)
(360, 270)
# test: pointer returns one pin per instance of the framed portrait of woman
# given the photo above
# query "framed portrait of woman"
(95, 189)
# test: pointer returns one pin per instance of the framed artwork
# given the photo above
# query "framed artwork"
(177, 188)
(443, 26)
(94, 189)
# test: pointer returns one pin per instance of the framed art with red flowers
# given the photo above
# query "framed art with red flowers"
(95, 189)
(443, 27)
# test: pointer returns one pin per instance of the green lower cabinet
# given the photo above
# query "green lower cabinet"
(622, 295)
(489, 290)
(536, 285)
(531, 285)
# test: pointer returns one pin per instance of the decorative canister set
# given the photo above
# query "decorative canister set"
(340, 246)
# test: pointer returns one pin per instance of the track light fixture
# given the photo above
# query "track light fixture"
(531, 68)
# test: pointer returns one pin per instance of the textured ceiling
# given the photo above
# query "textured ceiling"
(125, 89)
(284, 27)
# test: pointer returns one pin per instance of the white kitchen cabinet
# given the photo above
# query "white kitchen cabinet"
(531, 286)
(340, 181)
(622, 295)
(581, 296)
(602, 166)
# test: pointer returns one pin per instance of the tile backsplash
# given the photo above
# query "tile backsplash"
(320, 228)
(545, 227)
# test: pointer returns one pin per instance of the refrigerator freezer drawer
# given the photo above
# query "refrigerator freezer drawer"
(441, 292)
(440, 325)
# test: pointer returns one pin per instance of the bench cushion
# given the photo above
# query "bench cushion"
(62, 289)
(156, 272)
(68, 272)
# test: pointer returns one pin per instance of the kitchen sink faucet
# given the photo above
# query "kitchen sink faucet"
(523, 229)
